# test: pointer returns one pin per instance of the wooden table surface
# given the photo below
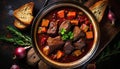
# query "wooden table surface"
(108, 32)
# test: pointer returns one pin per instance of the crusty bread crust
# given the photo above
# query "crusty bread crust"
(19, 24)
(98, 9)
(24, 13)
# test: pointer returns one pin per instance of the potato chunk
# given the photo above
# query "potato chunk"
(77, 53)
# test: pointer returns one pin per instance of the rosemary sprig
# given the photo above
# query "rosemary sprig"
(108, 52)
(18, 33)
(17, 37)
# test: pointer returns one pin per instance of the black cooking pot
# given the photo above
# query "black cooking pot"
(57, 5)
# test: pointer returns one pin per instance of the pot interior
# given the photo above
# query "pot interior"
(46, 13)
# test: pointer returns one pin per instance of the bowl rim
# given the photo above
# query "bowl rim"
(53, 6)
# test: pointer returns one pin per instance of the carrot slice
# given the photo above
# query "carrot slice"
(45, 22)
(42, 30)
(61, 13)
(71, 14)
(75, 22)
(89, 35)
(59, 54)
(84, 27)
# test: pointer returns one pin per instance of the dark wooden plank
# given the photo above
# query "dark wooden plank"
(108, 32)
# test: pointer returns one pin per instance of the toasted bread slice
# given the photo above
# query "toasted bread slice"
(24, 13)
(19, 24)
(98, 9)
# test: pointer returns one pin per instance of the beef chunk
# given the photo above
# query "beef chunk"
(53, 27)
(79, 44)
(77, 32)
(82, 34)
(68, 48)
(54, 43)
(65, 25)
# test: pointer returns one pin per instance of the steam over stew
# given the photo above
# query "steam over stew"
(65, 34)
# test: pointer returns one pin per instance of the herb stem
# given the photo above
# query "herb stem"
(18, 38)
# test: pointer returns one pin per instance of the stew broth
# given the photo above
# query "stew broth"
(65, 34)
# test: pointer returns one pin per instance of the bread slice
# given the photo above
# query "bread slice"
(98, 9)
(24, 13)
(19, 24)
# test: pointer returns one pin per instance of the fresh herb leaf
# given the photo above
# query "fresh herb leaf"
(108, 52)
(65, 35)
(62, 31)
(70, 34)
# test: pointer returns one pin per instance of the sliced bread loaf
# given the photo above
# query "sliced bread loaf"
(24, 13)
(19, 24)
(98, 9)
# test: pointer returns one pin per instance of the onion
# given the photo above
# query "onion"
(111, 17)
(20, 52)
(15, 67)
